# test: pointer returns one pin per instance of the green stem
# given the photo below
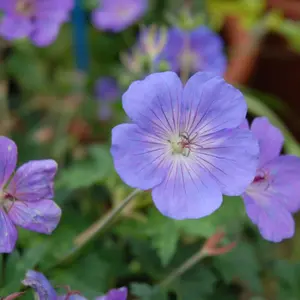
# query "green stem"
(99, 225)
(183, 268)
(86, 236)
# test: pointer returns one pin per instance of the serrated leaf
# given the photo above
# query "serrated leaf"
(164, 235)
(165, 242)
(241, 263)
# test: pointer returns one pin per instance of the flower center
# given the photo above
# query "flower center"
(6, 201)
(25, 7)
(182, 144)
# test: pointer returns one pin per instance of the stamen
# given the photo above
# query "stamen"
(182, 144)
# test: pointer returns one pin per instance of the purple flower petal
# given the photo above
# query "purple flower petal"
(154, 103)
(245, 125)
(210, 104)
(209, 48)
(174, 48)
(8, 233)
(118, 15)
(283, 177)
(269, 137)
(33, 181)
(231, 157)
(41, 216)
(56, 11)
(139, 157)
(199, 50)
(13, 27)
(71, 297)
(45, 32)
(188, 192)
(8, 159)
(115, 294)
(275, 223)
(40, 284)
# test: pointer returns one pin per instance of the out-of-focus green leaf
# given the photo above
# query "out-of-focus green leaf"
(165, 242)
(248, 11)
(258, 108)
(164, 235)
(88, 274)
(88, 172)
(28, 70)
(196, 284)
(242, 264)
(147, 292)
(18, 265)
(290, 30)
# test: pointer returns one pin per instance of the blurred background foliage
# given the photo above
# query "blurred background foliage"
(49, 108)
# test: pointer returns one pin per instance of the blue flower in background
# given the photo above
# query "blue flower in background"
(200, 50)
(37, 20)
(106, 91)
(185, 143)
(274, 194)
(117, 15)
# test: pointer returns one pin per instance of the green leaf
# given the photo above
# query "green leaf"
(18, 265)
(147, 292)
(290, 30)
(88, 275)
(196, 284)
(164, 235)
(241, 263)
(165, 242)
(88, 172)
(29, 71)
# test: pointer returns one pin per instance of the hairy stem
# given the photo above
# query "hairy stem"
(183, 268)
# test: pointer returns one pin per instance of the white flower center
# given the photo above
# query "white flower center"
(6, 201)
(182, 144)
(25, 7)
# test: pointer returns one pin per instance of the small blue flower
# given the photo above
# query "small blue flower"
(117, 15)
(185, 143)
(106, 92)
(199, 50)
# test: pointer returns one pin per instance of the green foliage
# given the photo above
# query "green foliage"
(89, 171)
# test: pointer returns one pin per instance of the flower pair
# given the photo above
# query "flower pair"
(44, 289)
(25, 196)
(189, 145)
